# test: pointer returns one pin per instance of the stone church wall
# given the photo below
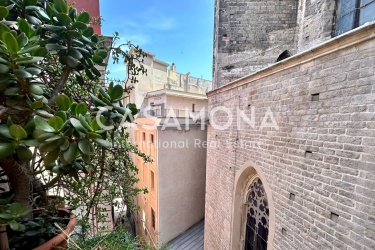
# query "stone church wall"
(250, 35)
(323, 152)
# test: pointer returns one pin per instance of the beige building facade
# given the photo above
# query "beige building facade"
(160, 75)
(175, 180)
(171, 129)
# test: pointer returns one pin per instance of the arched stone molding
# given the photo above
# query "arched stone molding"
(244, 176)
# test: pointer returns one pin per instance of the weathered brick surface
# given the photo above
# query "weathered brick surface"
(250, 35)
(339, 130)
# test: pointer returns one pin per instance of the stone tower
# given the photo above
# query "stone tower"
(251, 35)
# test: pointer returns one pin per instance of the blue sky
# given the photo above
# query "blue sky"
(179, 32)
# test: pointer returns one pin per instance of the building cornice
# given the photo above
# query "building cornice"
(161, 62)
(170, 92)
(354, 37)
(132, 50)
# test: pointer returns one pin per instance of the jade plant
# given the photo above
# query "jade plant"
(60, 127)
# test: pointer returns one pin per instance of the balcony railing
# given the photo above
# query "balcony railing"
(179, 113)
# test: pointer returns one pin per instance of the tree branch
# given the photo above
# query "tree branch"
(19, 180)
(99, 182)
(60, 85)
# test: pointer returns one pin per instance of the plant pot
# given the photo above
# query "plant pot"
(60, 240)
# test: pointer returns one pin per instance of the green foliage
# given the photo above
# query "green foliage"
(116, 240)
(57, 121)
(117, 173)
(11, 212)
(38, 230)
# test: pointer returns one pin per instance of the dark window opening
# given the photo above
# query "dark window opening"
(283, 56)
(152, 138)
(292, 196)
(228, 67)
(152, 181)
(308, 154)
(334, 217)
(315, 97)
(257, 217)
(153, 219)
(193, 107)
(143, 136)
(354, 13)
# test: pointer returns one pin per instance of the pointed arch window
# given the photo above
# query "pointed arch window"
(283, 56)
(257, 217)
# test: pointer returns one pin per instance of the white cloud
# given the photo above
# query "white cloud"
(117, 71)
(116, 68)
(137, 39)
(149, 19)
(161, 23)
(144, 28)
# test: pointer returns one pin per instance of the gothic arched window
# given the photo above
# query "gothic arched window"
(257, 217)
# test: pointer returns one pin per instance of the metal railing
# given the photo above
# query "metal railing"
(179, 113)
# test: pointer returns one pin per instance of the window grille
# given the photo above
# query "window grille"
(257, 217)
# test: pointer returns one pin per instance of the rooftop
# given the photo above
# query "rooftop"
(171, 92)
(192, 239)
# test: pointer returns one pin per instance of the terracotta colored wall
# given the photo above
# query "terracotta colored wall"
(92, 7)
(148, 201)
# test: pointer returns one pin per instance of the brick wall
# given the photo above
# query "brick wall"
(316, 21)
(338, 129)
(250, 35)
(92, 7)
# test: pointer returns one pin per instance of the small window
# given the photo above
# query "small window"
(144, 220)
(143, 136)
(139, 166)
(283, 56)
(354, 13)
(152, 138)
(193, 108)
(144, 172)
(153, 219)
(315, 97)
(152, 181)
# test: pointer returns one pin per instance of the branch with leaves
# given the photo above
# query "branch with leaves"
(53, 109)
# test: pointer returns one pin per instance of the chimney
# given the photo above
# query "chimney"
(173, 67)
